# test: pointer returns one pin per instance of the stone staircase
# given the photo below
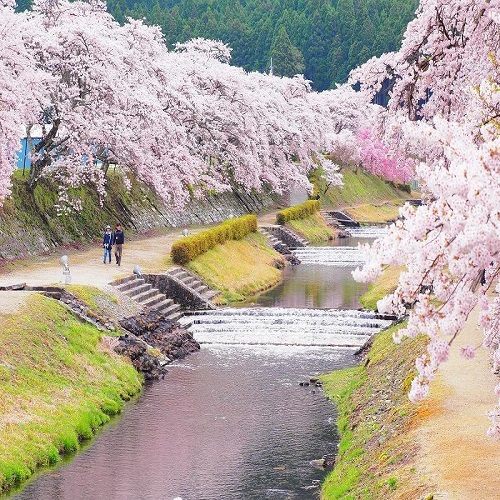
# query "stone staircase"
(343, 218)
(414, 202)
(284, 236)
(334, 222)
(273, 241)
(149, 297)
(192, 283)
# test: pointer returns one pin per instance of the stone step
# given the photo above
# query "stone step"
(145, 296)
(181, 275)
(189, 280)
(167, 307)
(192, 283)
(133, 292)
(201, 288)
(155, 299)
(175, 270)
(197, 283)
(128, 285)
(210, 294)
(122, 281)
(175, 316)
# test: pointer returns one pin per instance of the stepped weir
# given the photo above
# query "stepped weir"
(285, 326)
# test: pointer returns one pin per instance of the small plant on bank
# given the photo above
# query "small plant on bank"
(298, 212)
(191, 247)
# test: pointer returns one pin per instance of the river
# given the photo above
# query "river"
(232, 421)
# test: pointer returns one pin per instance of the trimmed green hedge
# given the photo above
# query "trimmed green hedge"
(190, 247)
(297, 212)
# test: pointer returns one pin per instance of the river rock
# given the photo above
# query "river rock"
(292, 260)
(343, 234)
(278, 264)
(172, 340)
(142, 359)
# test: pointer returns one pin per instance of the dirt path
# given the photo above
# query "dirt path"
(456, 454)
(150, 253)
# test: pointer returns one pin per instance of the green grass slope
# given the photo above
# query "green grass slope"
(375, 423)
(58, 384)
(239, 269)
(359, 187)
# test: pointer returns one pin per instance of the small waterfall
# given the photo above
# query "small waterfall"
(285, 327)
(368, 231)
(330, 256)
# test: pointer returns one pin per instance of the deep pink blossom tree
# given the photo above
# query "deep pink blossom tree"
(377, 159)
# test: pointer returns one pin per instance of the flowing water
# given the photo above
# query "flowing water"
(233, 421)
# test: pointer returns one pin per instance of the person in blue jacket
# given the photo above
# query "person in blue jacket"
(107, 244)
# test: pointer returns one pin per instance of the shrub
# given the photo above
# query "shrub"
(190, 247)
(297, 212)
(404, 187)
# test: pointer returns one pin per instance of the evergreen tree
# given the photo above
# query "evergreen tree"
(287, 58)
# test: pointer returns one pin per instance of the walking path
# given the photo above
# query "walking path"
(455, 452)
(150, 254)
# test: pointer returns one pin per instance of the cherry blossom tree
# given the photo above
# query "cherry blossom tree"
(444, 113)
(21, 90)
(182, 121)
(377, 159)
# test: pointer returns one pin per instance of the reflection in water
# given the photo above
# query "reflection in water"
(245, 430)
(315, 286)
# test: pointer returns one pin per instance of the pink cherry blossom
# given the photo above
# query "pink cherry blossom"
(468, 351)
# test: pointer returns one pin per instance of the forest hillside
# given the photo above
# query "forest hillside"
(323, 39)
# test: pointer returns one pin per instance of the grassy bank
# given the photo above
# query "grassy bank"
(375, 419)
(359, 187)
(58, 384)
(378, 213)
(385, 284)
(312, 228)
(239, 269)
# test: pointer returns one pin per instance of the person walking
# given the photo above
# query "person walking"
(118, 240)
(107, 244)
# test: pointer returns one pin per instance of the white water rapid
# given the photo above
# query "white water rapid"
(330, 256)
(368, 231)
(285, 327)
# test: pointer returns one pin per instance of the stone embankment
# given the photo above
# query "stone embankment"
(27, 228)
(149, 339)
(152, 342)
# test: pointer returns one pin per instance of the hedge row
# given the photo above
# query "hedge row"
(297, 212)
(190, 247)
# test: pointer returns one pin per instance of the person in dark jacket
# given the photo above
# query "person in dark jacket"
(118, 240)
(107, 244)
